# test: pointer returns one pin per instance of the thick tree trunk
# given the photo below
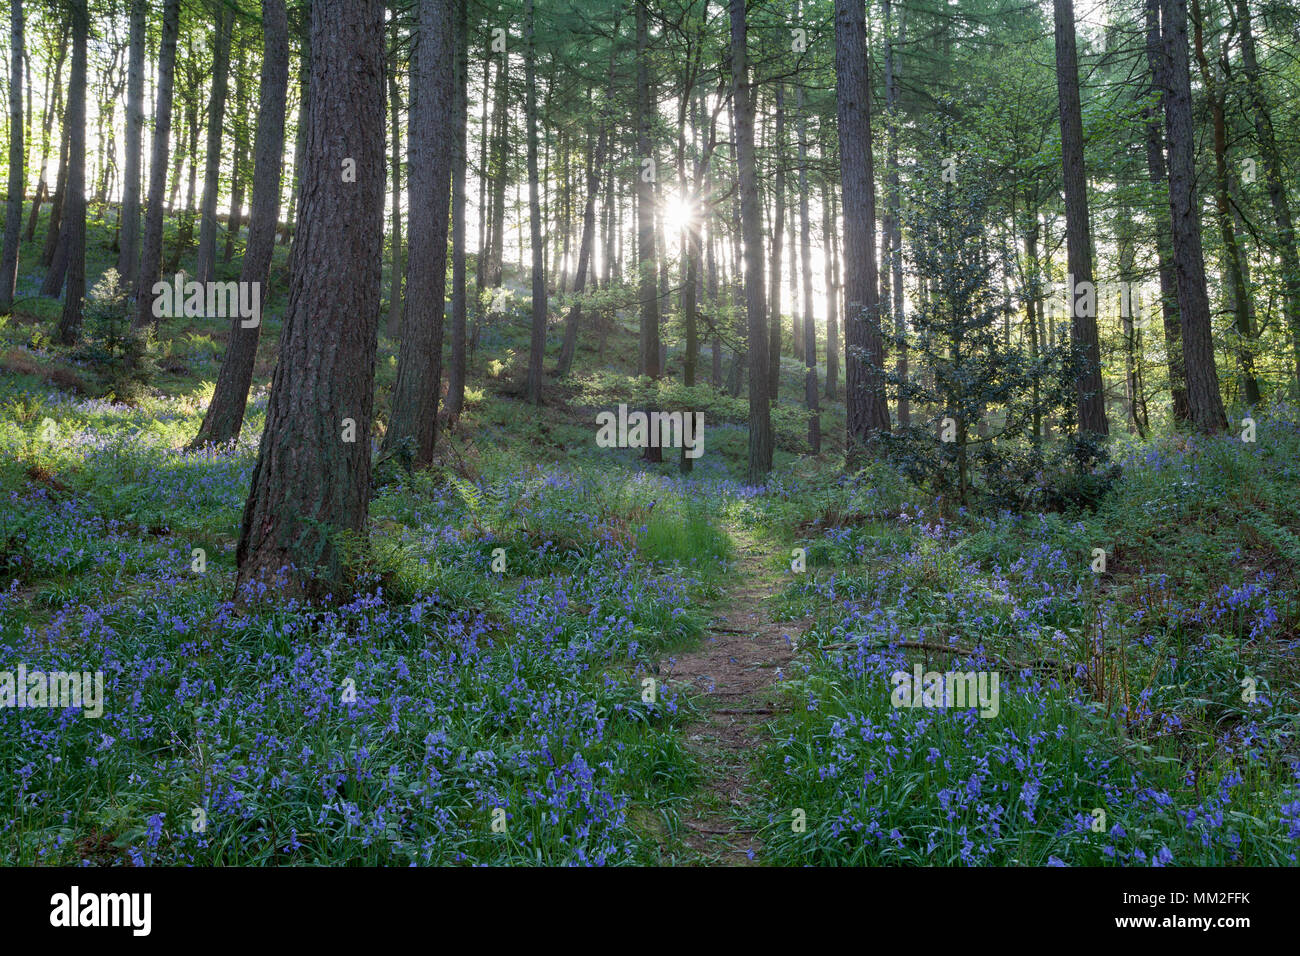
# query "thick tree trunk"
(17, 171)
(207, 253)
(1091, 396)
(751, 216)
(151, 251)
(864, 358)
(312, 479)
(225, 415)
(1204, 402)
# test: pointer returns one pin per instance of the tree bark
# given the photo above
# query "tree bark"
(537, 346)
(17, 171)
(867, 411)
(894, 233)
(831, 264)
(73, 242)
(414, 416)
(760, 421)
(395, 179)
(1205, 404)
(1156, 171)
(777, 244)
(128, 253)
(460, 161)
(239, 164)
(805, 257)
(151, 251)
(311, 484)
(1091, 396)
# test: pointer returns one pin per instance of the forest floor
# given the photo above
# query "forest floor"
(737, 670)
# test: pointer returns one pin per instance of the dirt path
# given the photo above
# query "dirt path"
(736, 670)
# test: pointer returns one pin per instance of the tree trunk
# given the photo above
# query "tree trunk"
(312, 481)
(239, 165)
(207, 254)
(496, 254)
(54, 226)
(414, 415)
(1274, 177)
(537, 346)
(1232, 259)
(72, 245)
(832, 291)
(1205, 405)
(225, 415)
(1090, 392)
(894, 234)
(17, 171)
(128, 253)
(53, 100)
(867, 411)
(151, 251)
(805, 257)
(460, 161)
(1155, 147)
(395, 179)
(760, 412)
(778, 233)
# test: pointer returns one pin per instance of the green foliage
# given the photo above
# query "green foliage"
(123, 360)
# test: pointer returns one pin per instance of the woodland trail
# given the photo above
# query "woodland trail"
(736, 670)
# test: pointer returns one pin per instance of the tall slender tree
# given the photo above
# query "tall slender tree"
(414, 416)
(17, 170)
(537, 346)
(72, 244)
(751, 215)
(128, 253)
